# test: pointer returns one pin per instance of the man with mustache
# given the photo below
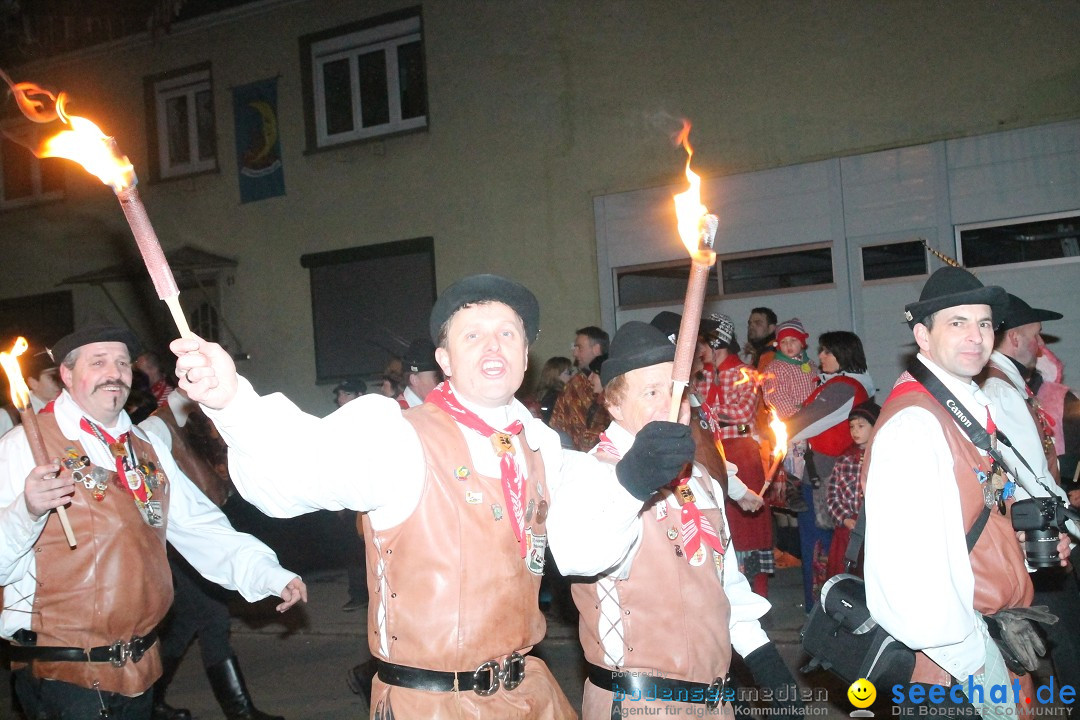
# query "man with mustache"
(82, 621)
(456, 492)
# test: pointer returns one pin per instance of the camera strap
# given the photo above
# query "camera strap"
(858, 535)
(975, 432)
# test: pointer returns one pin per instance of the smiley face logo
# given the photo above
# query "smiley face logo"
(862, 693)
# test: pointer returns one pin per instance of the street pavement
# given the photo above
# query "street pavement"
(295, 663)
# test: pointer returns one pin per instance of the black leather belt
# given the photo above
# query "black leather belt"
(484, 680)
(25, 649)
(628, 685)
(740, 428)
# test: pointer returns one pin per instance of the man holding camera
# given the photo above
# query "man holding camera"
(1018, 345)
(923, 584)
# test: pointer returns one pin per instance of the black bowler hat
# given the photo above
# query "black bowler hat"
(635, 345)
(668, 323)
(1020, 313)
(951, 286)
(420, 357)
(481, 288)
(95, 334)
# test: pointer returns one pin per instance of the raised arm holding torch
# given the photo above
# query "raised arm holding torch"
(697, 228)
(20, 397)
(87, 145)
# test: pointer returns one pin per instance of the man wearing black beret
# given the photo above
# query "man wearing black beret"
(667, 598)
(422, 373)
(928, 485)
(82, 620)
(456, 491)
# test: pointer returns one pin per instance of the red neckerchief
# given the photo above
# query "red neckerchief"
(125, 464)
(513, 483)
(695, 526)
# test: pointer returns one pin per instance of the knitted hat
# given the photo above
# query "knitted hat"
(636, 345)
(95, 334)
(420, 357)
(718, 330)
(1020, 313)
(792, 328)
(481, 288)
(952, 286)
(867, 410)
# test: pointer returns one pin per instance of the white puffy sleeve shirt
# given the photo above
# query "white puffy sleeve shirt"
(196, 527)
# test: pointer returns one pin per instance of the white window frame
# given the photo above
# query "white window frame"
(385, 37)
(31, 133)
(957, 229)
(164, 90)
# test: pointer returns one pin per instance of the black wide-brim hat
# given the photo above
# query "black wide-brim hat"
(1020, 313)
(95, 334)
(486, 288)
(952, 286)
(635, 345)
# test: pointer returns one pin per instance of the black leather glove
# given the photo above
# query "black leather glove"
(770, 672)
(661, 450)
(1013, 629)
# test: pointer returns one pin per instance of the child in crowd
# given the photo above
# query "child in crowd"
(844, 495)
(789, 379)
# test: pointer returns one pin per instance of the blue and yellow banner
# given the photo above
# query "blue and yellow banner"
(258, 147)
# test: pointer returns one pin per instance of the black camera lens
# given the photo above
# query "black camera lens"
(1040, 548)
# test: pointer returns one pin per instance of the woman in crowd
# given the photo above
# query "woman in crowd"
(823, 424)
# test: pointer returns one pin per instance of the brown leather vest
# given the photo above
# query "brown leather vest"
(454, 586)
(192, 464)
(1049, 449)
(114, 585)
(997, 560)
(674, 616)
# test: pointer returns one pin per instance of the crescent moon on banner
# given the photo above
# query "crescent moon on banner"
(269, 130)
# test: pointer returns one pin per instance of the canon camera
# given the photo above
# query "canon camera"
(1042, 519)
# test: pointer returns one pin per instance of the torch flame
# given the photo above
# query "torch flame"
(747, 376)
(693, 217)
(20, 393)
(84, 143)
(779, 434)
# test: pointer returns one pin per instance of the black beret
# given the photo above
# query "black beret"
(482, 288)
(420, 357)
(636, 345)
(95, 334)
(952, 286)
(1020, 313)
(668, 323)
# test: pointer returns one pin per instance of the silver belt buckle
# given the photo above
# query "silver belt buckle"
(491, 667)
(716, 693)
(119, 652)
(509, 675)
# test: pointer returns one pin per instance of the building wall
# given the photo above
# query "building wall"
(535, 110)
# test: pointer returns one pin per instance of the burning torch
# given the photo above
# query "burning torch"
(87, 145)
(20, 397)
(779, 448)
(697, 228)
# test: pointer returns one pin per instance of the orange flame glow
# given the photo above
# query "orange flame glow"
(688, 208)
(747, 376)
(84, 143)
(20, 393)
(779, 434)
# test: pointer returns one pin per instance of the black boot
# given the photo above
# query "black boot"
(231, 693)
(161, 709)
